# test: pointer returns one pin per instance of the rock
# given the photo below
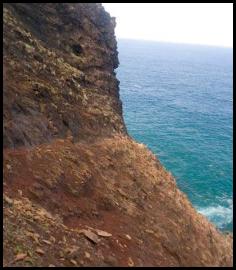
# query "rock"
(61, 254)
(44, 213)
(20, 257)
(8, 166)
(73, 262)
(52, 239)
(40, 251)
(90, 235)
(34, 236)
(130, 262)
(8, 200)
(71, 250)
(46, 242)
(64, 239)
(128, 236)
(103, 233)
(87, 255)
(149, 231)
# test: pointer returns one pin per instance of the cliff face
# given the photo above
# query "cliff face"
(77, 189)
(59, 62)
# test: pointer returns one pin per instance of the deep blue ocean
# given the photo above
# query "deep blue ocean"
(177, 99)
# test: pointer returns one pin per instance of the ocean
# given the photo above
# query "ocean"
(178, 100)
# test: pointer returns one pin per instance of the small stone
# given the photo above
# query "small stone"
(87, 255)
(20, 256)
(40, 251)
(51, 265)
(90, 235)
(52, 239)
(46, 242)
(73, 262)
(34, 236)
(149, 231)
(103, 233)
(20, 192)
(128, 236)
(130, 262)
(71, 250)
(8, 166)
(61, 254)
(8, 200)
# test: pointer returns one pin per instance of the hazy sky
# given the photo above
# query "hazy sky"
(210, 24)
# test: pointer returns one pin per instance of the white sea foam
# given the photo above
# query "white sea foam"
(220, 215)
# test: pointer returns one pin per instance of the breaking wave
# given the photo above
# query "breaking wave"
(222, 216)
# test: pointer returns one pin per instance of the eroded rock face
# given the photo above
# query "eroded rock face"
(78, 191)
(59, 78)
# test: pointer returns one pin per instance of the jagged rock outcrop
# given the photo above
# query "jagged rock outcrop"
(62, 58)
(78, 191)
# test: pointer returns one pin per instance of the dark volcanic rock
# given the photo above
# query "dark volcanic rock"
(59, 62)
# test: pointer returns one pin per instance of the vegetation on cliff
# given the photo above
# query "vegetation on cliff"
(78, 191)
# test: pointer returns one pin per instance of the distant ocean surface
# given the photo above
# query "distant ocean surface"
(177, 99)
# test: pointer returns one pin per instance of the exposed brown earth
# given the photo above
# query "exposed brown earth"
(78, 191)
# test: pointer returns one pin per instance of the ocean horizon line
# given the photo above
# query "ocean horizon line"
(176, 43)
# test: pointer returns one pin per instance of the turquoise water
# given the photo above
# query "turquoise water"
(177, 99)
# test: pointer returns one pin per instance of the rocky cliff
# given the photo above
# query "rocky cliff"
(78, 191)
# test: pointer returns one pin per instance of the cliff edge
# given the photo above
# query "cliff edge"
(78, 191)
